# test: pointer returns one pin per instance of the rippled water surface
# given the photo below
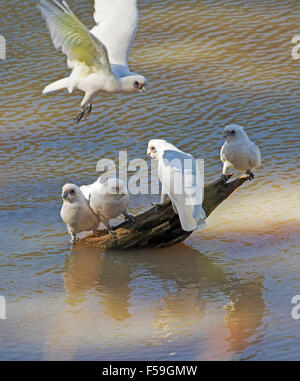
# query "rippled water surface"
(209, 63)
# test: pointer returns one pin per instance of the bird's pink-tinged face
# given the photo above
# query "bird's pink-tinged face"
(233, 131)
(229, 133)
(69, 192)
(151, 151)
(139, 83)
(139, 86)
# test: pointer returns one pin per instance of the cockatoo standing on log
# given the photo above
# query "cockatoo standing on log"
(181, 182)
(108, 199)
(239, 152)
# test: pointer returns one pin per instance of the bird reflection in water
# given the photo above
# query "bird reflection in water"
(89, 270)
(154, 297)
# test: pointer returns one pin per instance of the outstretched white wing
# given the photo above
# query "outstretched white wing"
(181, 180)
(117, 22)
(83, 50)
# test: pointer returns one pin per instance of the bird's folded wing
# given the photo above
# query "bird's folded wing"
(72, 37)
(96, 193)
(255, 158)
(222, 156)
(182, 181)
(117, 22)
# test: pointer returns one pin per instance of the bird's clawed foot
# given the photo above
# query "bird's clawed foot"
(88, 111)
(129, 217)
(112, 233)
(73, 240)
(225, 178)
(250, 175)
(80, 115)
(83, 112)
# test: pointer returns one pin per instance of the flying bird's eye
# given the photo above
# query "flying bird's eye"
(72, 192)
(232, 132)
(136, 84)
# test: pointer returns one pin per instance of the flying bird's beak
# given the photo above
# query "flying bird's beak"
(142, 88)
(65, 195)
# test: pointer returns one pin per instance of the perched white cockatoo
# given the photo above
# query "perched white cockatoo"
(99, 57)
(181, 182)
(239, 152)
(108, 199)
(76, 212)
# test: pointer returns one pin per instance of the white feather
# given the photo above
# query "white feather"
(104, 199)
(239, 151)
(181, 180)
(57, 85)
(95, 69)
(117, 22)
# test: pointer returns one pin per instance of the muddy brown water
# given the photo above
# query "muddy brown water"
(209, 63)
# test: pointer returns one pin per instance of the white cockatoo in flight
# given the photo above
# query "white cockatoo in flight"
(108, 199)
(181, 182)
(99, 57)
(76, 213)
(239, 152)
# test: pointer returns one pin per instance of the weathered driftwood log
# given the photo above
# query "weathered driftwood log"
(153, 229)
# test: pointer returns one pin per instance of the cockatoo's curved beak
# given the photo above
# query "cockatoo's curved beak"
(65, 194)
(142, 88)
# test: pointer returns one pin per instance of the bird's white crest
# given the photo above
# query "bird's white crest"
(156, 147)
(235, 131)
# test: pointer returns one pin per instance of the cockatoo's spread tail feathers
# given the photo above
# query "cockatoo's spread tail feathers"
(57, 85)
